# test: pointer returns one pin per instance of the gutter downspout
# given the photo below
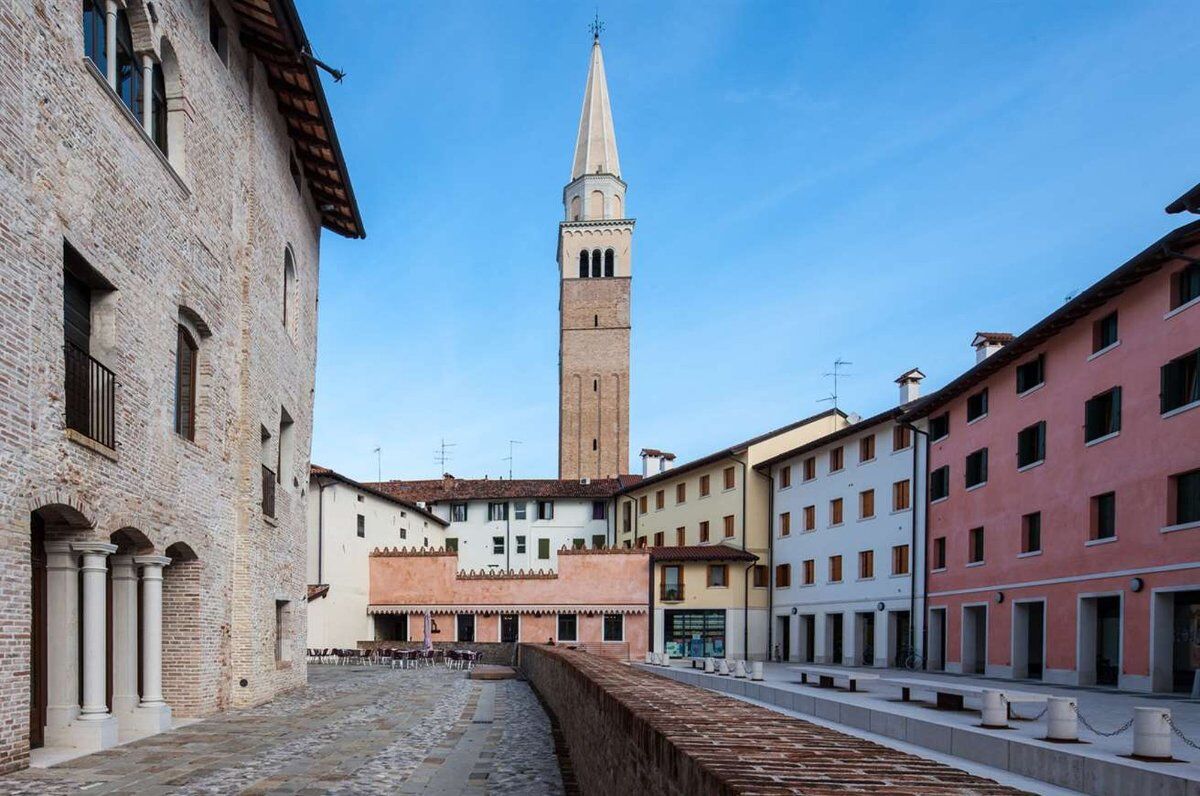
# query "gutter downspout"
(507, 536)
(771, 563)
(746, 571)
(321, 529)
(912, 598)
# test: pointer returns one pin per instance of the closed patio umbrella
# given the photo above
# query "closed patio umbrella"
(428, 632)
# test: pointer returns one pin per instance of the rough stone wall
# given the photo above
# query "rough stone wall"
(630, 731)
(208, 234)
(594, 378)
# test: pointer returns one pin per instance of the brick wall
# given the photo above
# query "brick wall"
(630, 731)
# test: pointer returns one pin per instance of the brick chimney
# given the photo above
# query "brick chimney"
(447, 481)
(988, 343)
(910, 385)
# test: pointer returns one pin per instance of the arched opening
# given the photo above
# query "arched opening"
(95, 33)
(583, 264)
(54, 620)
(609, 262)
(575, 208)
(289, 290)
(186, 687)
(129, 73)
(186, 355)
(616, 206)
(173, 115)
(596, 263)
(595, 208)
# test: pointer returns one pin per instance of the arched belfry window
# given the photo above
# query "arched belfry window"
(129, 74)
(95, 33)
(609, 262)
(583, 264)
(596, 262)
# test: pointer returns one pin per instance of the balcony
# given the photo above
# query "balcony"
(90, 393)
(268, 492)
(670, 593)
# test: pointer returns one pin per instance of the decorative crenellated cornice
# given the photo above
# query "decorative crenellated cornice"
(412, 552)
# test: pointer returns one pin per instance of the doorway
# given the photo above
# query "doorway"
(1029, 622)
(1108, 640)
(936, 661)
(509, 628)
(834, 637)
(37, 636)
(784, 629)
(808, 638)
(974, 635)
(902, 645)
(864, 638)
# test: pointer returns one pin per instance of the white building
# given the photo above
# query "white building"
(516, 524)
(346, 521)
(847, 542)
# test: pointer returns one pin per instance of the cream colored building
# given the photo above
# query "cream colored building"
(707, 522)
(346, 521)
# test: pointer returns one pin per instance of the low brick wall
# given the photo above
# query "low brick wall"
(500, 654)
(630, 731)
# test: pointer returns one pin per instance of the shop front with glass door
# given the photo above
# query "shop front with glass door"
(694, 634)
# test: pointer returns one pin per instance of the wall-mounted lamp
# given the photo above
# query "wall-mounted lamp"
(879, 606)
(999, 596)
(1136, 585)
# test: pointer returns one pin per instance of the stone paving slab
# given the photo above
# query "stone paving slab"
(351, 730)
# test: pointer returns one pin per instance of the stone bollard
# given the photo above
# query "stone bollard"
(756, 670)
(1152, 733)
(710, 666)
(739, 669)
(995, 712)
(1062, 720)
(665, 659)
(649, 657)
(722, 667)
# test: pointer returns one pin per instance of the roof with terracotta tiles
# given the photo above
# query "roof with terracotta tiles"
(451, 489)
(701, 552)
(316, 471)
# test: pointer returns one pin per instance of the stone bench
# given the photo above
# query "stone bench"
(950, 695)
(826, 677)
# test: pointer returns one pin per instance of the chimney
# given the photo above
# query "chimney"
(447, 481)
(655, 461)
(910, 385)
(988, 343)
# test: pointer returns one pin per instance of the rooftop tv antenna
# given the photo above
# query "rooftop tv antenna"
(836, 374)
(509, 458)
(443, 454)
(378, 464)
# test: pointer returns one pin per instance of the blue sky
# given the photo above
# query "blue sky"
(874, 181)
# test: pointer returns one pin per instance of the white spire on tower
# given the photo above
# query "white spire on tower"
(596, 146)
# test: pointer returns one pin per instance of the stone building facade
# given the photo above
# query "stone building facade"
(166, 170)
(595, 278)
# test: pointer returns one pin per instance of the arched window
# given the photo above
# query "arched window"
(583, 264)
(289, 289)
(574, 208)
(129, 74)
(185, 383)
(596, 262)
(609, 262)
(95, 33)
(158, 108)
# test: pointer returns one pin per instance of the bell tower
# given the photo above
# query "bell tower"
(595, 273)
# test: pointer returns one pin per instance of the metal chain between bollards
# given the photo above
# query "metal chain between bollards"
(1102, 734)
(1179, 733)
(1016, 715)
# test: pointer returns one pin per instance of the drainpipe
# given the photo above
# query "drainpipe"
(745, 572)
(912, 598)
(507, 537)
(321, 528)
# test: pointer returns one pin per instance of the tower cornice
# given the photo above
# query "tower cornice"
(597, 222)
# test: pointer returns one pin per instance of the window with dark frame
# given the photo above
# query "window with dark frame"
(760, 576)
(977, 468)
(837, 458)
(658, 539)
(458, 512)
(783, 576)
(568, 627)
(497, 512)
(1102, 415)
(614, 627)
(939, 552)
(498, 545)
(975, 546)
(866, 449)
(939, 427)
(1104, 332)
(1031, 445)
(1180, 382)
(609, 262)
(451, 544)
(977, 405)
(939, 483)
(1031, 374)
(810, 468)
(1031, 532)
(810, 572)
(362, 527)
(900, 559)
(599, 540)
(1186, 284)
(95, 34)
(543, 549)
(185, 383)
(1104, 516)
(129, 70)
(519, 510)
(520, 544)
(835, 569)
(218, 34)
(718, 575)
(545, 509)
(1186, 487)
(901, 437)
(466, 627)
(599, 510)
(866, 564)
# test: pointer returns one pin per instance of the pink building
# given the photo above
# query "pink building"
(1064, 477)
(597, 600)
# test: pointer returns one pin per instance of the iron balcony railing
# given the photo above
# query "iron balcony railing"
(91, 391)
(268, 491)
(671, 593)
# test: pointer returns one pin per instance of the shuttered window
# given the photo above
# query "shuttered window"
(185, 384)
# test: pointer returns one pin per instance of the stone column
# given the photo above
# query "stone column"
(156, 715)
(147, 94)
(62, 636)
(125, 618)
(110, 42)
(94, 556)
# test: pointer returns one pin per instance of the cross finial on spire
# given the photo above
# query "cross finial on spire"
(596, 26)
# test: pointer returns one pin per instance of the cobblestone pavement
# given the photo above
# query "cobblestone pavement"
(352, 730)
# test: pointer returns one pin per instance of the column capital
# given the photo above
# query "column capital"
(95, 548)
(123, 567)
(152, 561)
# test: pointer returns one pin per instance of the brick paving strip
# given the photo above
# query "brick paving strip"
(676, 738)
(357, 730)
